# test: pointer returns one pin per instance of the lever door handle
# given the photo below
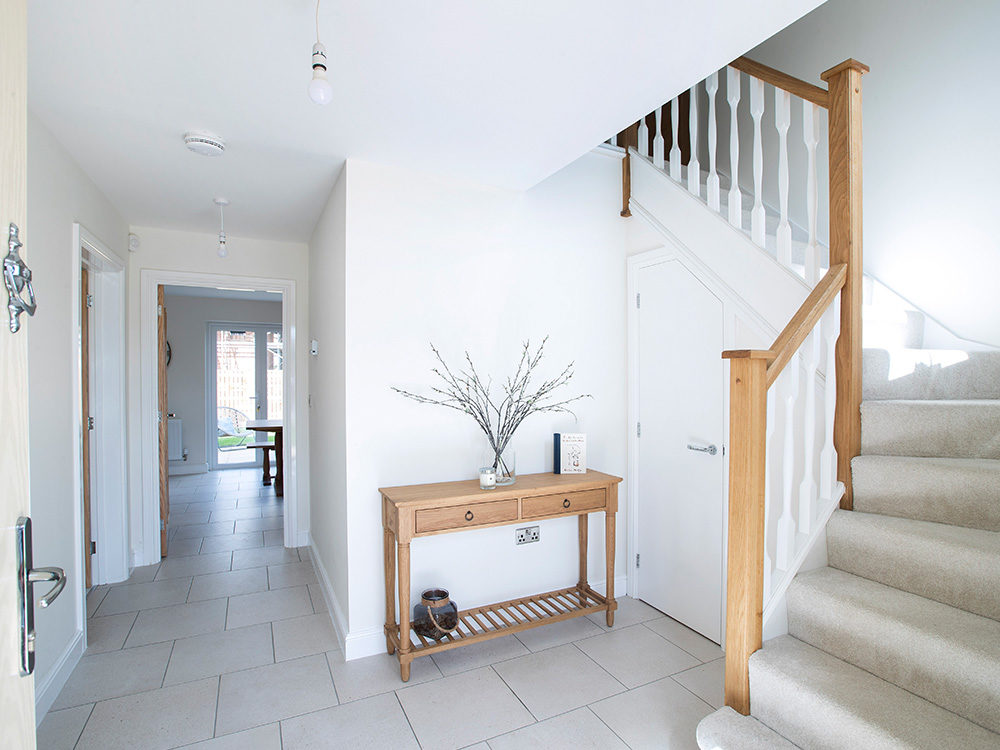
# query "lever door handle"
(40, 575)
(27, 576)
(709, 449)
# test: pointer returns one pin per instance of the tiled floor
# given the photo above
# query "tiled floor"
(227, 645)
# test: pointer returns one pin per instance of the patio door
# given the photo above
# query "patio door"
(245, 383)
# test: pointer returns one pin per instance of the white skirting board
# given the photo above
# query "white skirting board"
(336, 612)
(177, 468)
(47, 690)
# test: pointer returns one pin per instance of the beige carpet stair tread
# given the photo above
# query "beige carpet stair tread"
(818, 701)
(950, 564)
(956, 491)
(949, 429)
(946, 655)
(727, 729)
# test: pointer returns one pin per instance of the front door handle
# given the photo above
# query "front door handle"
(27, 577)
(709, 449)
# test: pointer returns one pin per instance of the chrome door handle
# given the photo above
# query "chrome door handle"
(27, 577)
(17, 279)
(709, 449)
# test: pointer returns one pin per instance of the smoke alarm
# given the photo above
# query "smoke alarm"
(205, 144)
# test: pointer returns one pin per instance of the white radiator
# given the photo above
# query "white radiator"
(175, 439)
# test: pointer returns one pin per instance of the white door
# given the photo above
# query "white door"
(17, 694)
(681, 492)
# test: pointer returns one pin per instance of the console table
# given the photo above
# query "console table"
(447, 507)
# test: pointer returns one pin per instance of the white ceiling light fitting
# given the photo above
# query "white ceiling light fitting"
(222, 203)
(205, 144)
(320, 90)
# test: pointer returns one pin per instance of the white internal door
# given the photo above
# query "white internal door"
(681, 487)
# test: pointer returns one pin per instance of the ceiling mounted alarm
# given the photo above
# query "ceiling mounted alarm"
(205, 144)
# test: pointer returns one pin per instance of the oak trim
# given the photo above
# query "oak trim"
(783, 81)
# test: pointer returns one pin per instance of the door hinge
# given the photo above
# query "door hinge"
(636, 559)
(163, 524)
(93, 548)
(159, 416)
(638, 429)
(637, 305)
(90, 423)
(90, 300)
(159, 310)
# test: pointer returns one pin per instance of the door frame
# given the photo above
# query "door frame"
(211, 384)
(732, 307)
(108, 448)
(147, 547)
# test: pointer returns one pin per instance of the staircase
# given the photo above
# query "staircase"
(897, 643)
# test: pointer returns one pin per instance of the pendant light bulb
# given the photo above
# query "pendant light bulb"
(222, 203)
(223, 252)
(320, 90)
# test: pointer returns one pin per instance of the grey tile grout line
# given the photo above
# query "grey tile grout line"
(329, 668)
(274, 648)
(610, 729)
(166, 667)
(514, 693)
(218, 698)
(395, 694)
(79, 736)
(601, 666)
(694, 656)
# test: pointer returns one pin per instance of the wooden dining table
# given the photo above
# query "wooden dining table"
(273, 425)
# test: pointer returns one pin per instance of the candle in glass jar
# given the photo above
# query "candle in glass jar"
(487, 478)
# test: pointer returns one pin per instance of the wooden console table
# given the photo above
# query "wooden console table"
(446, 507)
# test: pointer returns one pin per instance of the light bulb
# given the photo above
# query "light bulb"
(223, 252)
(320, 90)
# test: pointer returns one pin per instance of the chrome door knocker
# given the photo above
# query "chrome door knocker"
(17, 279)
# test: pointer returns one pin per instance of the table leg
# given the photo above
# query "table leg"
(389, 550)
(267, 466)
(609, 557)
(405, 657)
(279, 464)
(583, 520)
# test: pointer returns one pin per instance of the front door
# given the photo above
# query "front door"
(17, 694)
(681, 487)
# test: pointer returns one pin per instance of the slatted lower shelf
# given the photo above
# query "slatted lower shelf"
(504, 618)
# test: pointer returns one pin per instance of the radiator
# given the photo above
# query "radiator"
(175, 439)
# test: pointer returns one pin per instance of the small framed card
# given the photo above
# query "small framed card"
(570, 453)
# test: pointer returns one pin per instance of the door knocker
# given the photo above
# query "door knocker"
(17, 279)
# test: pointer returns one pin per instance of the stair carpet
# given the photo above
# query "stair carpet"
(897, 643)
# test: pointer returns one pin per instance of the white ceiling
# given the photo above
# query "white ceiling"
(504, 93)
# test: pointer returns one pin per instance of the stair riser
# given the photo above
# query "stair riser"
(977, 377)
(948, 429)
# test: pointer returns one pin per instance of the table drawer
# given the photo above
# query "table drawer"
(568, 502)
(466, 516)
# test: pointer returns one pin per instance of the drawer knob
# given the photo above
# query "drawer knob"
(566, 503)
(468, 515)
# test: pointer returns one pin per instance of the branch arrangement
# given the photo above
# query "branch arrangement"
(465, 391)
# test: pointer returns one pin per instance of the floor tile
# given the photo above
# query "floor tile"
(260, 524)
(363, 678)
(185, 547)
(292, 574)
(630, 612)
(278, 691)
(376, 723)
(304, 553)
(218, 653)
(247, 540)
(153, 720)
(557, 680)
(636, 655)
(267, 737)
(283, 604)
(177, 621)
(255, 558)
(318, 600)
(196, 565)
(189, 517)
(108, 633)
(694, 643)
(477, 655)
(209, 506)
(114, 674)
(302, 636)
(655, 716)
(205, 529)
(576, 730)
(141, 574)
(274, 537)
(138, 596)
(229, 583)
(235, 514)
(457, 711)
(60, 730)
(94, 598)
(270, 511)
(558, 633)
(706, 681)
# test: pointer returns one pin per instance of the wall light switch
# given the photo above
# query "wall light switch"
(314, 347)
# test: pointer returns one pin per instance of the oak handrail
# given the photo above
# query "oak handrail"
(791, 84)
(799, 327)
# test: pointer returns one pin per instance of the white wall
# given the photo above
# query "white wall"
(59, 194)
(172, 250)
(470, 267)
(931, 144)
(187, 325)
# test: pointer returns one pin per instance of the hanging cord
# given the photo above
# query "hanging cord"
(317, 21)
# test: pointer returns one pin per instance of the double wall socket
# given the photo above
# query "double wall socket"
(527, 535)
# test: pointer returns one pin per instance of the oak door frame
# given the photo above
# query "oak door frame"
(147, 547)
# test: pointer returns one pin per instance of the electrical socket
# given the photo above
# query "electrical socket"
(527, 535)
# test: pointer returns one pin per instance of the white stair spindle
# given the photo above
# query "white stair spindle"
(785, 549)
(768, 447)
(808, 492)
(757, 216)
(735, 196)
(712, 87)
(694, 166)
(782, 121)
(810, 133)
(828, 456)
(675, 151)
(643, 138)
(658, 139)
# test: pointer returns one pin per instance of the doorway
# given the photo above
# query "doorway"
(679, 471)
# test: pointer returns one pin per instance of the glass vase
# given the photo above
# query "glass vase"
(503, 462)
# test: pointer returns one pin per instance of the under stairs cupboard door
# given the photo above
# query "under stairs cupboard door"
(680, 498)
